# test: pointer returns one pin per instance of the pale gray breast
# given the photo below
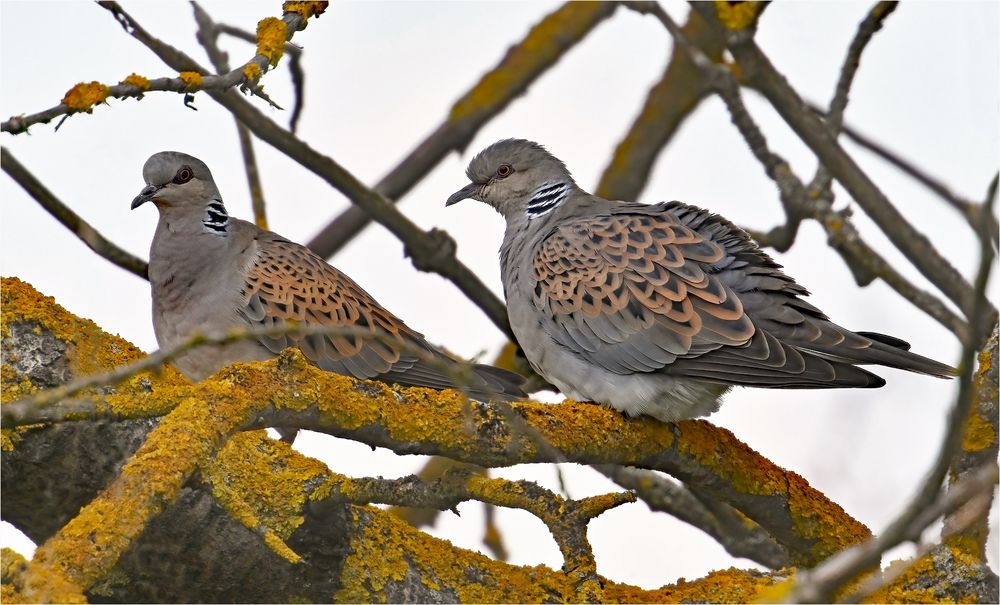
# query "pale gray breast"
(197, 283)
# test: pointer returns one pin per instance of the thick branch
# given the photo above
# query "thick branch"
(422, 421)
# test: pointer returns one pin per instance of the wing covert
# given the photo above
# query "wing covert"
(634, 292)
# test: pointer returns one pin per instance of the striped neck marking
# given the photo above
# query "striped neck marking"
(546, 198)
(216, 217)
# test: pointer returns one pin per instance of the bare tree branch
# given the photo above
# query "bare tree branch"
(863, 261)
(668, 104)
(523, 63)
(914, 244)
(208, 34)
(69, 219)
(432, 250)
(928, 504)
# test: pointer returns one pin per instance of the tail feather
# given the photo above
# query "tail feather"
(884, 350)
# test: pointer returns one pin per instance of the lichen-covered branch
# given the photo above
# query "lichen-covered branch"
(668, 103)
(69, 219)
(250, 503)
(566, 519)
(523, 63)
(272, 34)
(423, 421)
(979, 446)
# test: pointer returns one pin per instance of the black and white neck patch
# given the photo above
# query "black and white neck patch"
(546, 198)
(216, 217)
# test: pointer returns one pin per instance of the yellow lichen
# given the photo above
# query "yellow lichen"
(272, 33)
(85, 95)
(924, 582)
(543, 45)
(306, 9)
(979, 433)
(192, 79)
(738, 15)
(251, 72)
(138, 81)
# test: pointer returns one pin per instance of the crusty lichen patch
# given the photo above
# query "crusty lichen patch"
(306, 9)
(192, 79)
(945, 575)
(138, 81)
(272, 33)
(738, 15)
(89, 350)
(85, 95)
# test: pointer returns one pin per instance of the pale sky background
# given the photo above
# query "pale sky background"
(380, 76)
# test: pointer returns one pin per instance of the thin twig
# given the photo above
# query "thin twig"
(72, 221)
(820, 185)
(966, 208)
(432, 250)
(522, 64)
(820, 585)
(915, 246)
(860, 258)
(294, 68)
(208, 34)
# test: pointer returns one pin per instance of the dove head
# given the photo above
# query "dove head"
(518, 178)
(176, 180)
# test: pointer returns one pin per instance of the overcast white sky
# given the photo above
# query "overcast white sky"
(380, 76)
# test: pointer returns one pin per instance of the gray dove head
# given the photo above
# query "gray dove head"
(517, 178)
(175, 179)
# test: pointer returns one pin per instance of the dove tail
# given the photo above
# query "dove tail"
(895, 353)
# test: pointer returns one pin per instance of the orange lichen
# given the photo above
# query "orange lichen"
(138, 81)
(192, 79)
(272, 33)
(738, 15)
(306, 9)
(251, 72)
(85, 95)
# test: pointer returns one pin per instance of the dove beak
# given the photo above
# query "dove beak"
(470, 191)
(145, 195)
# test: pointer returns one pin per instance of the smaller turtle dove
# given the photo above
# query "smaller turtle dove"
(656, 309)
(210, 272)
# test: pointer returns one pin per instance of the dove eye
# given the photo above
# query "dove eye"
(504, 171)
(183, 175)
